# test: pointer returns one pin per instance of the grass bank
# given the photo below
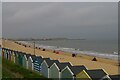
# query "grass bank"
(11, 70)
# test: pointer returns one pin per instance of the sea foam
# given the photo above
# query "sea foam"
(76, 51)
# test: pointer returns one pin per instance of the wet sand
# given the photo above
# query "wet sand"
(110, 66)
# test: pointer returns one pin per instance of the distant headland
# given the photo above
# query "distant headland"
(43, 39)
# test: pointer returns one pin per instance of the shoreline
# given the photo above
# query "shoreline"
(110, 66)
(78, 52)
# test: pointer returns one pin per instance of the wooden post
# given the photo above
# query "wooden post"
(34, 47)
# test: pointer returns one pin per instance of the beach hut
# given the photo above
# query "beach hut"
(56, 68)
(25, 60)
(97, 74)
(47, 62)
(5, 53)
(37, 63)
(20, 58)
(31, 60)
(10, 54)
(13, 56)
(71, 72)
(16, 56)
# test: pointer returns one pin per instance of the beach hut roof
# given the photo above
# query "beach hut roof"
(96, 74)
(46, 60)
(51, 62)
(7, 49)
(3, 48)
(21, 53)
(15, 52)
(28, 55)
(77, 69)
(10, 50)
(39, 59)
(63, 65)
(114, 77)
(33, 57)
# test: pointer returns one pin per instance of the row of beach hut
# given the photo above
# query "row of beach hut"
(53, 68)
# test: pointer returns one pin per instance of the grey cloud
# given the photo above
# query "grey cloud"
(0, 19)
(74, 20)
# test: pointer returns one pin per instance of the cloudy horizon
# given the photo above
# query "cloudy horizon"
(69, 20)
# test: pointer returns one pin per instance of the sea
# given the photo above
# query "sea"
(100, 48)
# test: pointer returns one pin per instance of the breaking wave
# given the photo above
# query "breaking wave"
(113, 56)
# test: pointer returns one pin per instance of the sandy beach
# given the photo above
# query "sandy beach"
(110, 66)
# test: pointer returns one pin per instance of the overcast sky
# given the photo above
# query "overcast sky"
(60, 0)
(71, 20)
(0, 20)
